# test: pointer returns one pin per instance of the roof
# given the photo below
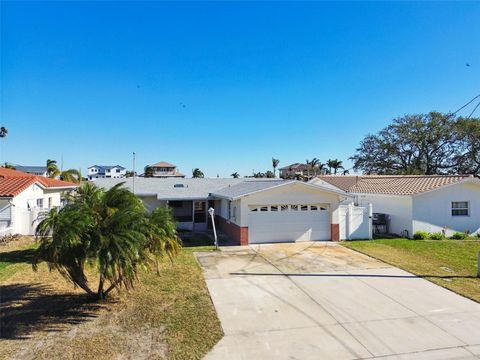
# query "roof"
(31, 169)
(13, 182)
(171, 188)
(163, 164)
(249, 187)
(296, 166)
(107, 167)
(392, 184)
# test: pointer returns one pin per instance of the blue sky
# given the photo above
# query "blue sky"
(224, 86)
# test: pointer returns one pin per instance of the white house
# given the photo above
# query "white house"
(254, 210)
(24, 196)
(106, 171)
(432, 203)
(163, 169)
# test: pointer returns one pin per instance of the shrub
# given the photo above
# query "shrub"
(459, 236)
(437, 236)
(420, 235)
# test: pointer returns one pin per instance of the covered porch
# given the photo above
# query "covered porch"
(192, 214)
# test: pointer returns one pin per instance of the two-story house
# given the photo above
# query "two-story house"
(162, 169)
(102, 172)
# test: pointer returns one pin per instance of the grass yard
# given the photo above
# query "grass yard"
(166, 316)
(448, 263)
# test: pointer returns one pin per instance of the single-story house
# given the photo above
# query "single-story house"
(248, 210)
(23, 196)
(431, 203)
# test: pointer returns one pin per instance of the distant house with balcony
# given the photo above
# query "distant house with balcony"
(106, 172)
(162, 169)
(299, 171)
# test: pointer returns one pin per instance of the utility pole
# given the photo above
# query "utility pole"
(133, 180)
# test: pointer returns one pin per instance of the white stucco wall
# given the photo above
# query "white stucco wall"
(399, 208)
(289, 194)
(432, 210)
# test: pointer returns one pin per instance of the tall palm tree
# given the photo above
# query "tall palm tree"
(330, 164)
(313, 166)
(197, 173)
(335, 164)
(275, 163)
(235, 175)
(149, 171)
(108, 229)
(52, 169)
(3, 132)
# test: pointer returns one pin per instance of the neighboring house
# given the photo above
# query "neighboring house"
(106, 171)
(24, 196)
(163, 169)
(432, 203)
(33, 170)
(251, 210)
(298, 170)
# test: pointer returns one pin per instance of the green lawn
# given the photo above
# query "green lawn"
(448, 263)
(167, 316)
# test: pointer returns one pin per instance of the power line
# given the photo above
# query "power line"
(468, 103)
(475, 108)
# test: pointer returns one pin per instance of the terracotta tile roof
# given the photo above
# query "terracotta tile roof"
(391, 184)
(13, 182)
(163, 164)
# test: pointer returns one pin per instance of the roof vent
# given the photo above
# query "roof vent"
(179, 186)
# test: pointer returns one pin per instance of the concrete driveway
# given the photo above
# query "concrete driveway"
(323, 301)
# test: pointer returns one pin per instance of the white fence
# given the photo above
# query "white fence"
(355, 222)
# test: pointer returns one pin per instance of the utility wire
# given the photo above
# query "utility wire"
(474, 109)
(468, 103)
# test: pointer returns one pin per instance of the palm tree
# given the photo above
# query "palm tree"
(148, 171)
(129, 173)
(52, 169)
(268, 174)
(313, 165)
(235, 175)
(71, 175)
(197, 173)
(275, 163)
(3, 132)
(9, 166)
(334, 164)
(109, 230)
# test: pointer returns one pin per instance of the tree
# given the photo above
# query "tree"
(275, 163)
(197, 173)
(129, 173)
(107, 229)
(259, 175)
(52, 169)
(313, 164)
(269, 174)
(469, 135)
(235, 175)
(432, 143)
(71, 175)
(9, 166)
(149, 171)
(3, 132)
(334, 164)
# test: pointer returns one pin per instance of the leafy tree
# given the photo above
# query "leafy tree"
(3, 132)
(197, 173)
(269, 174)
(432, 143)
(149, 171)
(259, 175)
(108, 230)
(71, 175)
(9, 166)
(275, 163)
(129, 173)
(235, 175)
(334, 164)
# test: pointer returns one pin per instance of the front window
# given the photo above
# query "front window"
(460, 208)
(40, 203)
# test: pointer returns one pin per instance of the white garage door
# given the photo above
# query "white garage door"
(282, 223)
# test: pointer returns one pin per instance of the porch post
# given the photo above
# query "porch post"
(193, 215)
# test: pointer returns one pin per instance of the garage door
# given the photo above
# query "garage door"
(283, 223)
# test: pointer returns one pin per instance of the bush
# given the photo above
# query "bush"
(420, 235)
(437, 236)
(459, 236)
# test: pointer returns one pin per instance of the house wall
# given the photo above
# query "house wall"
(432, 210)
(399, 209)
(25, 218)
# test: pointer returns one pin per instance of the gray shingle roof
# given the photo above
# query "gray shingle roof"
(31, 169)
(107, 167)
(248, 187)
(165, 189)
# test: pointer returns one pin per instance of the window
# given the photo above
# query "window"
(49, 202)
(254, 209)
(273, 208)
(460, 208)
(40, 203)
(264, 208)
(304, 208)
(313, 207)
(284, 208)
(294, 207)
(175, 204)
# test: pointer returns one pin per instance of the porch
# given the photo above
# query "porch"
(192, 215)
